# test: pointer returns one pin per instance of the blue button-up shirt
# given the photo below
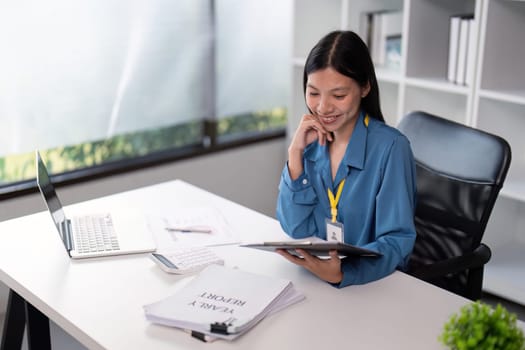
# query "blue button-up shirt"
(376, 205)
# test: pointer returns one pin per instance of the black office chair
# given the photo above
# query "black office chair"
(460, 171)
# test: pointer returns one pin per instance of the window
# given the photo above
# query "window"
(98, 85)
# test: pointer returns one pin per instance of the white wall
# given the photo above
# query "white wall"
(247, 175)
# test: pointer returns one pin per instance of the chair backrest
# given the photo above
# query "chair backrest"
(460, 171)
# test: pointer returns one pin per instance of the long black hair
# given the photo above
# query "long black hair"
(345, 52)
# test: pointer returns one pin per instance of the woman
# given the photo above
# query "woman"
(348, 173)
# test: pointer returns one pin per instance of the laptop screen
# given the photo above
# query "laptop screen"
(48, 192)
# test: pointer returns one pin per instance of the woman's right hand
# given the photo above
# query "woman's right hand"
(309, 130)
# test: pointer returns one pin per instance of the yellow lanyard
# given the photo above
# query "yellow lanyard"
(335, 201)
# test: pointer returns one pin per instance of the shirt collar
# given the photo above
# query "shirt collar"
(356, 150)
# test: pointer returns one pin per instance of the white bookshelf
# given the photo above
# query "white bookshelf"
(500, 108)
(494, 101)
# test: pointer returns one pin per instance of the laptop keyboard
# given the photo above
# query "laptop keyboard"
(94, 233)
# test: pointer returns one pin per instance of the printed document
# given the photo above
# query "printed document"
(223, 302)
(176, 228)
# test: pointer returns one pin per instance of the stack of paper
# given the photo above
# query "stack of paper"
(222, 302)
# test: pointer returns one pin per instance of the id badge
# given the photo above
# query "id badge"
(334, 231)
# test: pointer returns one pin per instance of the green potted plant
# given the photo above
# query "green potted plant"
(482, 327)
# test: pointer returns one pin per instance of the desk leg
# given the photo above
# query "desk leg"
(14, 323)
(18, 312)
(38, 336)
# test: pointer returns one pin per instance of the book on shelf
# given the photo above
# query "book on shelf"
(382, 32)
(471, 52)
(365, 27)
(393, 52)
(453, 48)
(462, 45)
(376, 37)
(222, 302)
(391, 29)
(462, 51)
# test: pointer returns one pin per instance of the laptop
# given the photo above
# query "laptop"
(97, 234)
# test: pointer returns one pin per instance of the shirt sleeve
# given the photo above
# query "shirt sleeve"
(295, 205)
(395, 232)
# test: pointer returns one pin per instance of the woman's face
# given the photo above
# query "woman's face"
(334, 98)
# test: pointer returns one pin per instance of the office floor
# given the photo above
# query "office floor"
(493, 300)
(61, 340)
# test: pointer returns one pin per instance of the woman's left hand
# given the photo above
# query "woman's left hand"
(326, 269)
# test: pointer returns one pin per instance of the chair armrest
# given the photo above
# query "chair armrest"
(475, 259)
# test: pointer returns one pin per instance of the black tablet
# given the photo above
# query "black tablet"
(318, 248)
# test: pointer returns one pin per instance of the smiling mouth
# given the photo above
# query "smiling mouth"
(328, 119)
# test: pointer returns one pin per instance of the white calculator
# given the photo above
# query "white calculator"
(186, 260)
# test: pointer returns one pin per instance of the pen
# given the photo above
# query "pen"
(188, 229)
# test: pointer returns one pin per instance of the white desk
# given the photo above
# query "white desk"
(397, 312)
